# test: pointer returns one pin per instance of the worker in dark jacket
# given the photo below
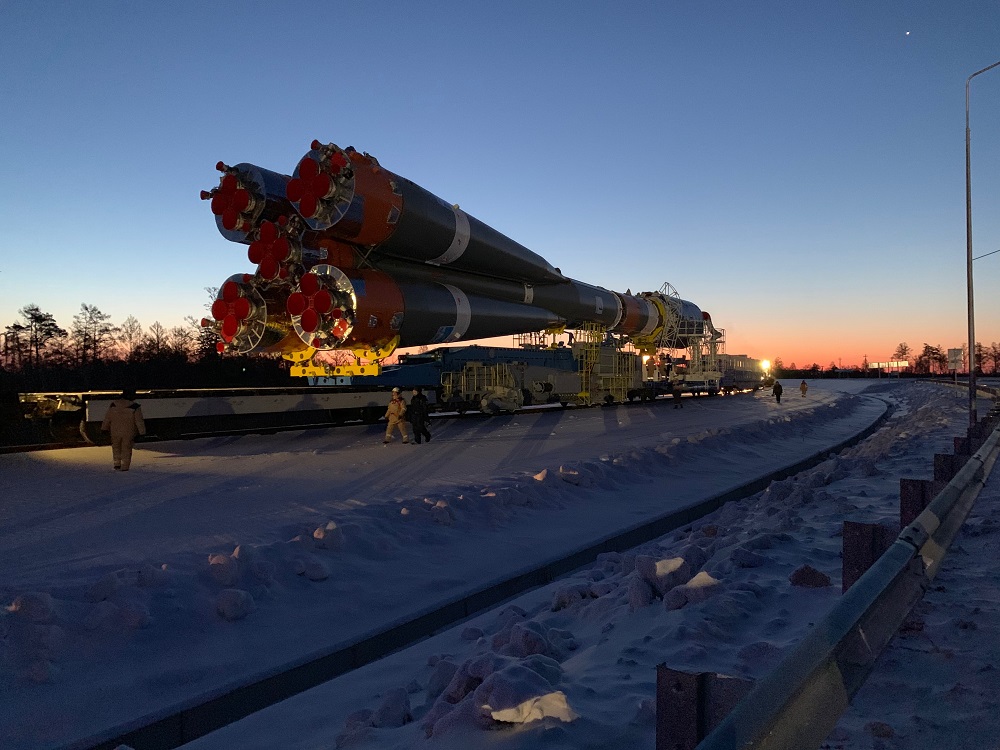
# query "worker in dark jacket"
(125, 423)
(777, 391)
(419, 413)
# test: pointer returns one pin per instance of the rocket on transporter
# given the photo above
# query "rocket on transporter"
(350, 256)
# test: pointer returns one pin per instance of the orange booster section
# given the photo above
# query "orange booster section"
(382, 201)
(380, 309)
(345, 195)
(334, 309)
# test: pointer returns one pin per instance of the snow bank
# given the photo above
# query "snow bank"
(264, 601)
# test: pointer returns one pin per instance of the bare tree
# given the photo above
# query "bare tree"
(91, 333)
(182, 339)
(205, 338)
(34, 333)
(15, 346)
(157, 341)
(130, 338)
(994, 355)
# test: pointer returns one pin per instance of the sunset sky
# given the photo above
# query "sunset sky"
(796, 169)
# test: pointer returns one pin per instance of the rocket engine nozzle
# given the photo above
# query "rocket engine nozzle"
(234, 307)
(249, 317)
(323, 308)
(277, 253)
(247, 195)
(322, 186)
(234, 201)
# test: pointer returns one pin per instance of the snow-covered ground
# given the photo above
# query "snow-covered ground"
(215, 560)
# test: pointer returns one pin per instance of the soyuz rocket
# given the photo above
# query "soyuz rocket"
(351, 256)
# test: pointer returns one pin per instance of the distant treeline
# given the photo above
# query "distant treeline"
(93, 354)
(932, 360)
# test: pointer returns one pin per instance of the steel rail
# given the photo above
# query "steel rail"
(193, 434)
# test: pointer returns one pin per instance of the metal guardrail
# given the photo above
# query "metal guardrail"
(798, 704)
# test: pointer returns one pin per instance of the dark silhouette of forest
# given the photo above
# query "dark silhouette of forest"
(94, 354)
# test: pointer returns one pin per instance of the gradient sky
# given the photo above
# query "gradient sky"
(797, 169)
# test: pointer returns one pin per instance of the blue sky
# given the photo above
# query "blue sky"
(795, 168)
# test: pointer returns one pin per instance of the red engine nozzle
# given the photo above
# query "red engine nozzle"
(322, 186)
(322, 310)
(273, 251)
(232, 309)
(233, 202)
(310, 187)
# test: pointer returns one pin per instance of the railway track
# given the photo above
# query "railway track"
(80, 434)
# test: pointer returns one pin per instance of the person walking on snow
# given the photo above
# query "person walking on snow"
(777, 391)
(396, 414)
(677, 389)
(803, 387)
(125, 422)
(419, 413)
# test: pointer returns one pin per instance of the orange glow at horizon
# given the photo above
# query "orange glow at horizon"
(792, 344)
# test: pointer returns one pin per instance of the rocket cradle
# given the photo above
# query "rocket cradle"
(351, 256)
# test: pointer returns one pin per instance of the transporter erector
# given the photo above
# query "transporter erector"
(353, 258)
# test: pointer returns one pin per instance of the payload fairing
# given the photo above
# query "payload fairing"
(350, 256)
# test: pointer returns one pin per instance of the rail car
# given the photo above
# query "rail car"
(476, 378)
(739, 373)
(70, 417)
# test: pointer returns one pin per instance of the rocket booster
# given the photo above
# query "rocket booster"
(352, 256)
(349, 196)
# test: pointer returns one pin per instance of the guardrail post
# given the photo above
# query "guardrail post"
(914, 496)
(689, 705)
(977, 435)
(864, 543)
(946, 466)
(963, 447)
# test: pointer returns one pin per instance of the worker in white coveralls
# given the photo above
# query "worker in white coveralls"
(125, 423)
(396, 414)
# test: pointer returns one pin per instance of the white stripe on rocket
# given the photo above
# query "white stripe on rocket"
(459, 242)
(463, 313)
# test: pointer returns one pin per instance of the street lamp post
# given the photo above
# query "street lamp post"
(968, 243)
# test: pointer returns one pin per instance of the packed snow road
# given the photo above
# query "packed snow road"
(67, 514)
(121, 586)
